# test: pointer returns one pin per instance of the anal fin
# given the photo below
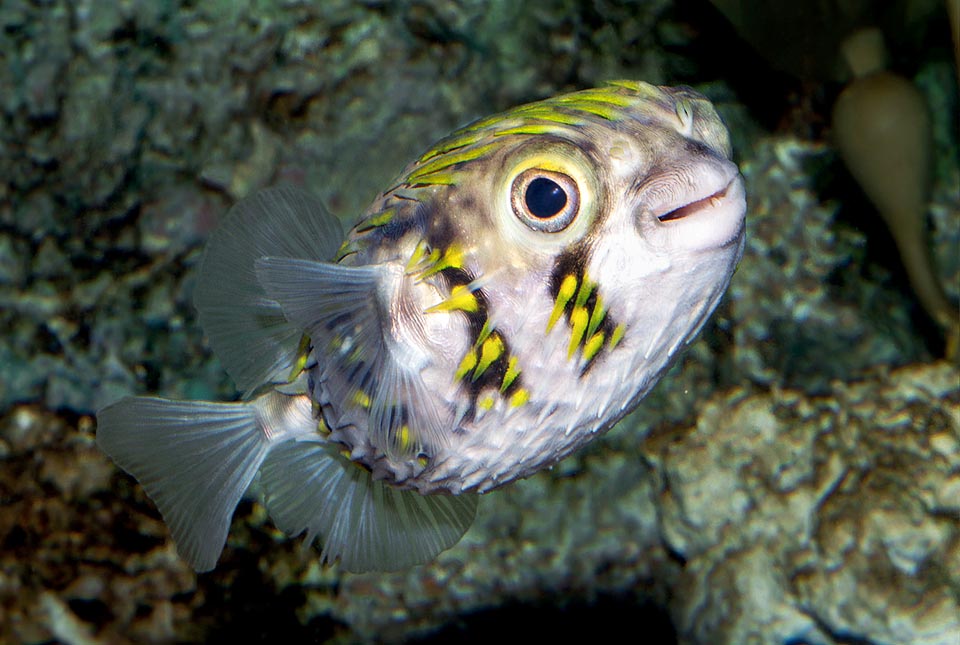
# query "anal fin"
(366, 525)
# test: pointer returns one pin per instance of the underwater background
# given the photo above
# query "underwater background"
(794, 479)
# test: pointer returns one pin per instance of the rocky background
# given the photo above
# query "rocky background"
(796, 479)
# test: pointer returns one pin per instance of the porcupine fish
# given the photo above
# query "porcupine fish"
(516, 292)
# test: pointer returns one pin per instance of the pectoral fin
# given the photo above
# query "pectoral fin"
(347, 312)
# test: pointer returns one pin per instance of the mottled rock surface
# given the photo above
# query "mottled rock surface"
(793, 480)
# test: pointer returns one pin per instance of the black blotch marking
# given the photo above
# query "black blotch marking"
(492, 377)
(440, 231)
(461, 277)
(573, 261)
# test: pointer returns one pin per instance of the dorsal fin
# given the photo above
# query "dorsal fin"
(247, 330)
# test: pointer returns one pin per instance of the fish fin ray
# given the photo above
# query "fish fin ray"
(248, 331)
(196, 459)
(364, 524)
(344, 311)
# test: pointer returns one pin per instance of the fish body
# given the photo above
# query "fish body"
(520, 288)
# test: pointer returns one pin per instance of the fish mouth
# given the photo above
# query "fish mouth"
(711, 216)
(697, 207)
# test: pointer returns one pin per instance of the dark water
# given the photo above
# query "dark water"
(127, 130)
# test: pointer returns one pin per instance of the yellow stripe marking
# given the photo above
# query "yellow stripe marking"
(362, 399)
(592, 346)
(403, 437)
(617, 335)
(484, 332)
(578, 324)
(596, 316)
(438, 178)
(376, 221)
(519, 397)
(449, 159)
(466, 364)
(461, 299)
(566, 291)
(419, 252)
(586, 288)
(491, 350)
(346, 248)
(513, 370)
(303, 353)
(452, 258)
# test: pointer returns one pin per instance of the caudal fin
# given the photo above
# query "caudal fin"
(194, 459)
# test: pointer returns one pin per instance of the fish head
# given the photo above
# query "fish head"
(549, 263)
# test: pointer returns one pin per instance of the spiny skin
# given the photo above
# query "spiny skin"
(519, 290)
(533, 342)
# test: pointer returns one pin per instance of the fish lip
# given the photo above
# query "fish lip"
(713, 216)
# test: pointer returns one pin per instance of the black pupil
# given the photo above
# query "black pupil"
(545, 198)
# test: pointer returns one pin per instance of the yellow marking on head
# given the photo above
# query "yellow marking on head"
(490, 351)
(422, 460)
(452, 258)
(566, 291)
(586, 288)
(596, 95)
(596, 316)
(456, 141)
(466, 364)
(485, 403)
(346, 248)
(376, 221)
(461, 299)
(513, 370)
(519, 397)
(484, 332)
(419, 252)
(592, 346)
(617, 334)
(436, 179)
(578, 324)
(548, 113)
(607, 112)
(444, 161)
(530, 128)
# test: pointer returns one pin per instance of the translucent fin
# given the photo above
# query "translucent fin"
(348, 313)
(247, 331)
(365, 524)
(196, 459)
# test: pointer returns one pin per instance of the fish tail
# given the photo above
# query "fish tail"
(196, 459)
(362, 523)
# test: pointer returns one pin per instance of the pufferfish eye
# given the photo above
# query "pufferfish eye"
(545, 200)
